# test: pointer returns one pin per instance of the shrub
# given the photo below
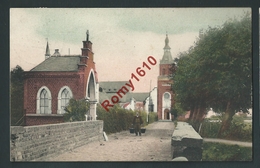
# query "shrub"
(116, 120)
(153, 117)
(119, 119)
(239, 130)
(209, 128)
(224, 152)
(76, 110)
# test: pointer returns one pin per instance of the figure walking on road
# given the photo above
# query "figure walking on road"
(137, 122)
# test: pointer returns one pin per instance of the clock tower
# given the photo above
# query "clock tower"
(164, 93)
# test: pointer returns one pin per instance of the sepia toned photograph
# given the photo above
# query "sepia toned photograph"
(131, 84)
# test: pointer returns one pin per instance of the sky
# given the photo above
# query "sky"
(122, 38)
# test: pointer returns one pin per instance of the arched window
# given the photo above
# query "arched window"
(166, 100)
(43, 101)
(166, 105)
(64, 97)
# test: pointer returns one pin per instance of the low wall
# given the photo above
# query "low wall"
(37, 143)
(186, 142)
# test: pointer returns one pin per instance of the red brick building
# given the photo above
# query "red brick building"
(165, 97)
(49, 86)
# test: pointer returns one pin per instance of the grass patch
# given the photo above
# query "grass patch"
(238, 131)
(224, 152)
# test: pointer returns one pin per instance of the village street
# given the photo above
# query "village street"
(154, 145)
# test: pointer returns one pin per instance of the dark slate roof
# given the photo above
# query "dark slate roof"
(61, 63)
(126, 98)
(104, 96)
(137, 96)
(112, 86)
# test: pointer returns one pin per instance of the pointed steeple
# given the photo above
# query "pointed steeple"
(47, 52)
(167, 56)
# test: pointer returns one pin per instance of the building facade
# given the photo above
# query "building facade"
(151, 101)
(165, 96)
(131, 100)
(49, 86)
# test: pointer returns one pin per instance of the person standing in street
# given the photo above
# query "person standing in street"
(137, 122)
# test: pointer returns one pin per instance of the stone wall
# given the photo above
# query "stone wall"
(186, 142)
(37, 143)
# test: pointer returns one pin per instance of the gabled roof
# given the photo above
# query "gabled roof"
(104, 96)
(137, 96)
(125, 98)
(61, 63)
(112, 86)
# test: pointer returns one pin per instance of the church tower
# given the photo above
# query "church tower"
(164, 92)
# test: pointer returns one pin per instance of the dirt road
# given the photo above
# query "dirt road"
(154, 145)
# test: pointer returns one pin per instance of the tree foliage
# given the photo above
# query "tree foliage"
(177, 110)
(16, 89)
(217, 72)
(76, 110)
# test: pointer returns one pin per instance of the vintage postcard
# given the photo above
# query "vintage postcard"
(130, 84)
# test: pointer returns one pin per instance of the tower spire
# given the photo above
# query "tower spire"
(167, 57)
(47, 52)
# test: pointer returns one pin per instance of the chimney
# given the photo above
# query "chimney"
(56, 53)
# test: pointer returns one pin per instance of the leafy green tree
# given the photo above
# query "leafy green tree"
(16, 89)
(176, 110)
(76, 110)
(187, 88)
(232, 71)
(216, 72)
